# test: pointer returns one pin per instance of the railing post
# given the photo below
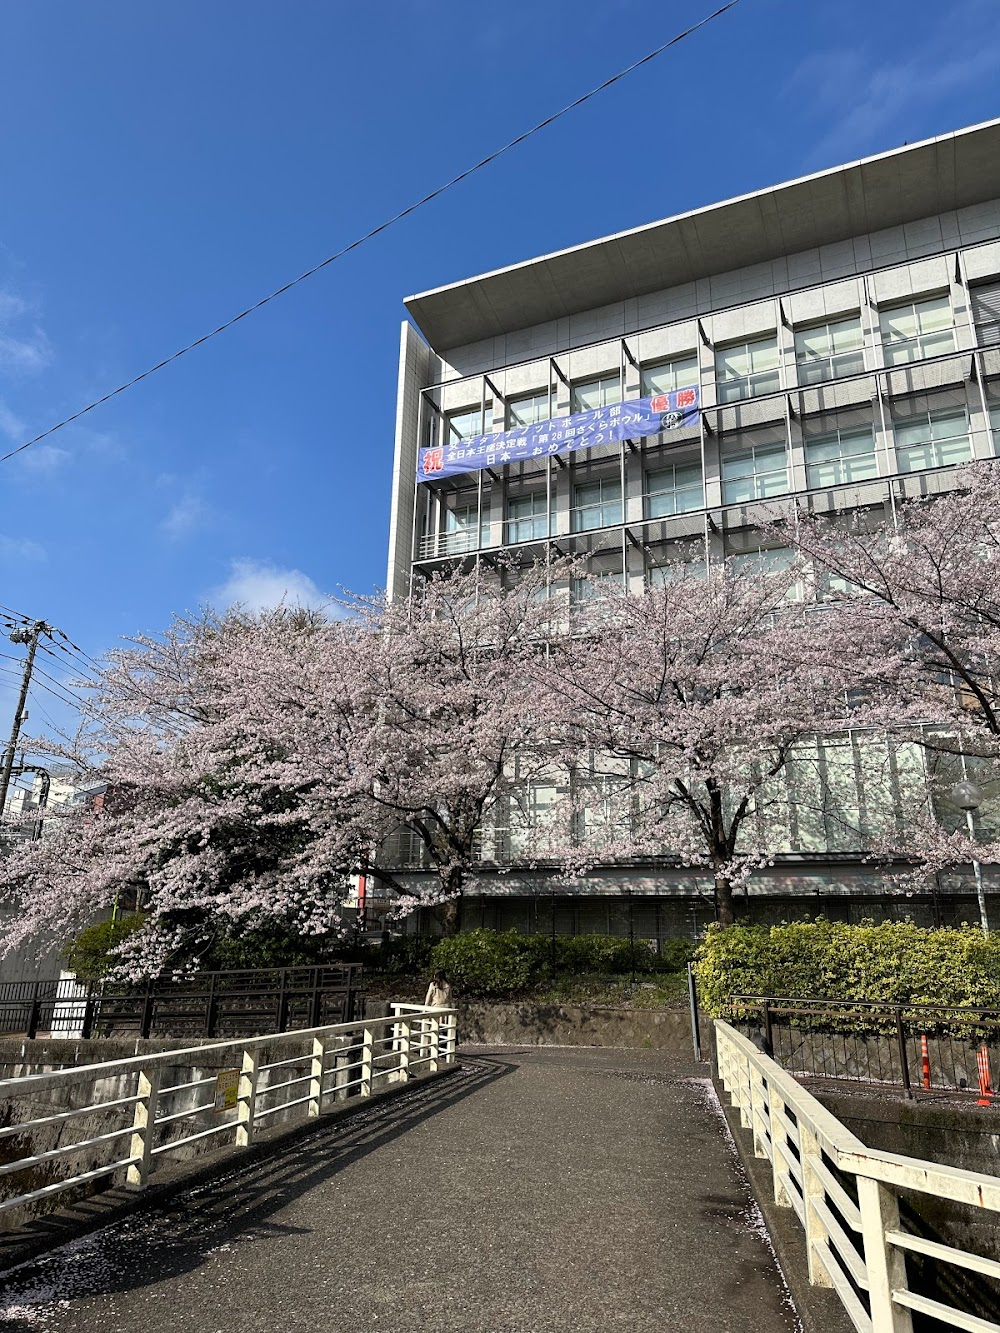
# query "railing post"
(812, 1188)
(885, 1265)
(143, 1128)
(367, 1056)
(246, 1099)
(745, 1093)
(434, 1043)
(316, 1076)
(403, 1043)
(758, 1113)
(779, 1149)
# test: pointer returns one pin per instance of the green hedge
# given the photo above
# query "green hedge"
(89, 955)
(503, 963)
(894, 962)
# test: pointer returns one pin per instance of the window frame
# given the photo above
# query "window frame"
(749, 380)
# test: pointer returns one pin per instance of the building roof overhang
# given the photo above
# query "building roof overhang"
(916, 181)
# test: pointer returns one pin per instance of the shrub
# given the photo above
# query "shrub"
(89, 955)
(675, 955)
(405, 955)
(491, 963)
(893, 962)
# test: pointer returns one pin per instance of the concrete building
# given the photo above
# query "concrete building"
(842, 333)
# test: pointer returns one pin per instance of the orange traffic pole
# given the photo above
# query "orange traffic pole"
(925, 1061)
(985, 1090)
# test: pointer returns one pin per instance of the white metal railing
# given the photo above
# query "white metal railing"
(336, 1061)
(855, 1243)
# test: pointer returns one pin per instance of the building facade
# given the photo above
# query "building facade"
(834, 339)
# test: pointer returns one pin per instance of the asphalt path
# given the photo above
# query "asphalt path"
(541, 1190)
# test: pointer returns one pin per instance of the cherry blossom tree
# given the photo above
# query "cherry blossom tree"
(255, 763)
(458, 721)
(922, 598)
(217, 749)
(689, 702)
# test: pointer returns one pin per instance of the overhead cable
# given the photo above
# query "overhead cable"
(375, 231)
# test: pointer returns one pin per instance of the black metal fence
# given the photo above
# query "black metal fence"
(209, 1004)
(926, 1050)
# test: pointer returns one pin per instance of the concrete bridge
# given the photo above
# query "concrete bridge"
(520, 1190)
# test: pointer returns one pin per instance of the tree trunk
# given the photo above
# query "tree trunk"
(725, 911)
(449, 912)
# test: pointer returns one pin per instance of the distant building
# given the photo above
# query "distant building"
(835, 338)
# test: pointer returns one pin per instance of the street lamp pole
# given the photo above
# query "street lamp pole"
(968, 797)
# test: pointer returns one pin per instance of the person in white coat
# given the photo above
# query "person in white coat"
(439, 992)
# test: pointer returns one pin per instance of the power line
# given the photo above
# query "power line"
(375, 231)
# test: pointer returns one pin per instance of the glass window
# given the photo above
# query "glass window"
(596, 393)
(674, 490)
(986, 313)
(670, 375)
(747, 369)
(672, 570)
(527, 411)
(769, 560)
(597, 504)
(526, 517)
(932, 439)
(917, 329)
(465, 424)
(826, 351)
(601, 583)
(754, 474)
(840, 458)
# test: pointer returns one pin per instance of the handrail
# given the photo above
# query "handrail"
(872, 1281)
(416, 1040)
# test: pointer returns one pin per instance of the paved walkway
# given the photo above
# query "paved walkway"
(537, 1191)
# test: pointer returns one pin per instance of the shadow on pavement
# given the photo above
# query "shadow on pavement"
(227, 1208)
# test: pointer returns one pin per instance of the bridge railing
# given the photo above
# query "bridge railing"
(124, 1115)
(847, 1196)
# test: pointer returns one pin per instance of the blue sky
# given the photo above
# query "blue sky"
(163, 166)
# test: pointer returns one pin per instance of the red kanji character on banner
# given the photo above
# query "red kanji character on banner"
(687, 397)
(660, 402)
(433, 460)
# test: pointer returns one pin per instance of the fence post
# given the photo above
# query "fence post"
(316, 1076)
(768, 1032)
(403, 1044)
(812, 1188)
(246, 1099)
(283, 1002)
(34, 1013)
(146, 1021)
(904, 1062)
(367, 1056)
(693, 1006)
(885, 1265)
(143, 1128)
(210, 1011)
(745, 1093)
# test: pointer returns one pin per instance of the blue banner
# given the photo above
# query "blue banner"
(562, 435)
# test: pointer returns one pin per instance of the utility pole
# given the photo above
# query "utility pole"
(29, 635)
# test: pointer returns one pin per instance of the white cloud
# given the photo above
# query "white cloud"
(865, 99)
(10, 425)
(185, 516)
(28, 354)
(19, 550)
(11, 307)
(43, 458)
(257, 585)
